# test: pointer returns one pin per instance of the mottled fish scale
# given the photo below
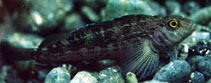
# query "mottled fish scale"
(134, 40)
(109, 32)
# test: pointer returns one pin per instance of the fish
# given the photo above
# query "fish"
(134, 41)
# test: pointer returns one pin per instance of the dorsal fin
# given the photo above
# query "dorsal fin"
(52, 39)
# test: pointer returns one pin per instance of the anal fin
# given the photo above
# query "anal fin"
(140, 60)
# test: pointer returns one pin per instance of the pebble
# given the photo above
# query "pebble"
(154, 81)
(197, 77)
(72, 22)
(191, 7)
(201, 50)
(157, 8)
(173, 7)
(202, 16)
(183, 55)
(9, 75)
(131, 78)
(110, 75)
(193, 61)
(201, 35)
(21, 40)
(117, 8)
(209, 81)
(91, 14)
(173, 71)
(204, 67)
(83, 77)
(42, 15)
(58, 75)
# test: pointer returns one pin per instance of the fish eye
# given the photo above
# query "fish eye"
(173, 23)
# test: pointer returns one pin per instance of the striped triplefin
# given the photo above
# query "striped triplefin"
(135, 41)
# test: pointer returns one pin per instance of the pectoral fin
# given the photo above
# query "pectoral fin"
(141, 60)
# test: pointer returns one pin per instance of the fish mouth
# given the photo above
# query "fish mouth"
(191, 30)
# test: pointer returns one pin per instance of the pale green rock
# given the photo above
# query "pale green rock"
(110, 75)
(90, 13)
(209, 81)
(131, 78)
(173, 7)
(154, 81)
(191, 7)
(157, 8)
(42, 15)
(202, 16)
(84, 77)
(21, 40)
(117, 8)
(58, 75)
(51, 11)
(72, 22)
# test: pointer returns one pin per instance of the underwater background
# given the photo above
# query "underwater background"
(26, 23)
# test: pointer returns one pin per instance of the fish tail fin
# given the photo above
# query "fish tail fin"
(141, 60)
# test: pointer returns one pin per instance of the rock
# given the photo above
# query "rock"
(209, 81)
(9, 75)
(72, 22)
(131, 78)
(83, 77)
(183, 55)
(95, 4)
(157, 8)
(204, 67)
(194, 38)
(58, 75)
(202, 16)
(197, 77)
(173, 7)
(191, 7)
(203, 46)
(193, 61)
(198, 36)
(201, 50)
(42, 74)
(90, 14)
(117, 8)
(198, 42)
(110, 75)
(154, 81)
(174, 71)
(42, 15)
(3, 73)
(51, 11)
(21, 40)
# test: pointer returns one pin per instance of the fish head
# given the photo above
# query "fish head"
(171, 30)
